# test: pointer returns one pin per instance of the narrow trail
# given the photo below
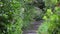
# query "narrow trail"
(33, 28)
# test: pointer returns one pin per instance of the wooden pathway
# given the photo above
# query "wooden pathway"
(33, 28)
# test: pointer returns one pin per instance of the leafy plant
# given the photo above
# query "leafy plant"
(51, 23)
(10, 19)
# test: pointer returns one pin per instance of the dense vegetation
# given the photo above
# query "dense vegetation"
(10, 18)
(16, 15)
(51, 25)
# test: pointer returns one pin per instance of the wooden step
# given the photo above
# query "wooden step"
(30, 31)
(34, 27)
(37, 22)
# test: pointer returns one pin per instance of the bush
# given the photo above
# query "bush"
(51, 25)
(10, 19)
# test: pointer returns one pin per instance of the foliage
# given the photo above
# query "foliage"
(10, 19)
(51, 25)
(50, 3)
(30, 12)
(15, 15)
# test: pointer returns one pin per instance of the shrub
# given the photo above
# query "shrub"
(51, 25)
(10, 19)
